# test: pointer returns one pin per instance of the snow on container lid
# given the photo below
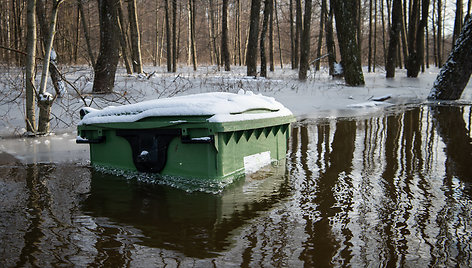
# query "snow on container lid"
(220, 106)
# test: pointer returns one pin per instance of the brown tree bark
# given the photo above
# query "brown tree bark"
(168, 36)
(108, 56)
(123, 39)
(305, 42)
(135, 37)
(265, 22)
(86, 33)
(224, 36)
(394, 34)
(346, 25)
(251, 52)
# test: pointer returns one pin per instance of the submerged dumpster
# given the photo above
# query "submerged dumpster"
(208, 136)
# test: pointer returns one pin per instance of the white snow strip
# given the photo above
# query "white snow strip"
(221, 106)
(253, 163)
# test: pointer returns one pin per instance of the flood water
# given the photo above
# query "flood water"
(393, 189)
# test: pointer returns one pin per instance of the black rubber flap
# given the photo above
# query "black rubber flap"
(149, 147)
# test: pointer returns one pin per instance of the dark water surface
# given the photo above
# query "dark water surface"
(387, 190)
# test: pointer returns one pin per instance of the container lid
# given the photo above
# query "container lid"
(218, 106)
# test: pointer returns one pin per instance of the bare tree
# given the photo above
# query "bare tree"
(135, 37)
(458, 20)
(168, 37)
(251, 53)
(456, 72)
(108, 56)
(305, 42)
(267, 6)
(346, 25)
(86, 32)
(30, 65)
(394, 32)
(224, 36)
(45, 99)
(123, 39)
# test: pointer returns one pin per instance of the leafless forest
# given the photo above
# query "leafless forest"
(200, 21)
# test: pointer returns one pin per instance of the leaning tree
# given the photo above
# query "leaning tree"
(455, 74)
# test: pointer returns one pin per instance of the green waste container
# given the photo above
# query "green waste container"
(207, 136)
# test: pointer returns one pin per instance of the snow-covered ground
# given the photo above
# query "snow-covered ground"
(319, 97)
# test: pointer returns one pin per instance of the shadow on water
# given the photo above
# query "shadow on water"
(387, 190)
(196, 224)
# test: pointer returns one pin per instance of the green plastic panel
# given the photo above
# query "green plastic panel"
(207, 150)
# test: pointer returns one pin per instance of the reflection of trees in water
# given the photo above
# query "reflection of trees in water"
(371, 189)
(39, 214)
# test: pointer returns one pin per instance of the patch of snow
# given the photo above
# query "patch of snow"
(253, 163)
(220, 106)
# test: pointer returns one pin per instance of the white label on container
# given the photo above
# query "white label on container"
(253, 163)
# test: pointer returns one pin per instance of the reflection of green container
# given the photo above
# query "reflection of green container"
(196, 146)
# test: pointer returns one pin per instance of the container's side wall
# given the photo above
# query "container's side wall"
(195, 160)
(115, 152)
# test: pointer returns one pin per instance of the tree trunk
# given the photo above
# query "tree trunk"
(330, 41)
(320, 37)
(271, 36)
(394, 33)
(56, 78)
(278, 34)
(135, 37)
(292, 37)
(458, 21)
(108, 56)
(439, 34)
(30, 64)
(404, 36)
(346, 18)
(305, 42)
(251, 52)
(298, 32)
(123, 39)
(174, 36)
(193, 49)
(416, 37)
(213, 34)
(224, 36)
(86, 33)
(369, 59)
(265, 22)
(455, 73)
(168, 37)
(45, 99)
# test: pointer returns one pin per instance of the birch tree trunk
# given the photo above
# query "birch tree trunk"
(30, 64)
(56, 78)
(45, 99)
